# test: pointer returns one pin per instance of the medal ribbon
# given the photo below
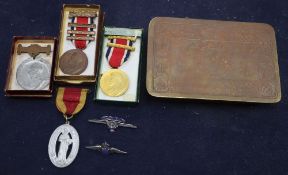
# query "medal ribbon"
(81, 44)
(117, 56)
(70, 101)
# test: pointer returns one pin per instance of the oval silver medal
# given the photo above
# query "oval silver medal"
(62, 140)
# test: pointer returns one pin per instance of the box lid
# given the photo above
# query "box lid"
(213, 60)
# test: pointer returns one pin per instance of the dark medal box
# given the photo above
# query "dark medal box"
(29, 73)
(119, 76)
(81, 24)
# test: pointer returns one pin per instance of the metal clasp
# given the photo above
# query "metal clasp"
(67, 118)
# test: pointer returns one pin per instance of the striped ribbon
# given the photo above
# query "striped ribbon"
(70, 101)
(81, 44)
(117, 56)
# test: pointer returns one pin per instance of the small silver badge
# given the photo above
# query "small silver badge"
(105, 149)
(112, 122)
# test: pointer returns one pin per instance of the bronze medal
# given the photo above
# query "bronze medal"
(73, 62)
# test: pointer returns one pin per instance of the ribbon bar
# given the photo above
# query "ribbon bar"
(82, 25)
(82, 38)
(83, 13)
(131, 48)
(81, 32)
(122, 37)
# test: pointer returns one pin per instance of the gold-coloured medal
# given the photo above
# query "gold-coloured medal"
(114, 83)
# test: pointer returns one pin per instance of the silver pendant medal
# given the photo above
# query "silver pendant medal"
(63, 145)
(64, 142)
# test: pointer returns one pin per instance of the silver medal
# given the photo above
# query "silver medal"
(33, 74)
(65, 136)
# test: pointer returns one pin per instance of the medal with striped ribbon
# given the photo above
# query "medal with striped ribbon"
(115, 82)
(64, 142)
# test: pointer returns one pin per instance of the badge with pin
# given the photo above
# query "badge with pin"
(112, 122)
(105, 149)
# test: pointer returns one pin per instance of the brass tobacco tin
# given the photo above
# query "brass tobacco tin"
(212, 60)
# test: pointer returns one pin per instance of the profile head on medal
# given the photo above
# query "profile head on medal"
(33, 74)
(114, 83)
(73, 62)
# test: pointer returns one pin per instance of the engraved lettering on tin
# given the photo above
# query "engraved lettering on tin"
(162, 48)
(161, 66)
(162, 30)
(160, 76)
(161, 83)
(62, 139)
(268, 90)
(221, 59)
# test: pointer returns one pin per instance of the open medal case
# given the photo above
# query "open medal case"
(30, 72)
(121, 53)
(78, 51)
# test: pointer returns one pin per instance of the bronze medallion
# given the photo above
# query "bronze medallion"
(114, 83)
(73, 62)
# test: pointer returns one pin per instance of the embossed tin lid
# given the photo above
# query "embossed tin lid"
(213, 60)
